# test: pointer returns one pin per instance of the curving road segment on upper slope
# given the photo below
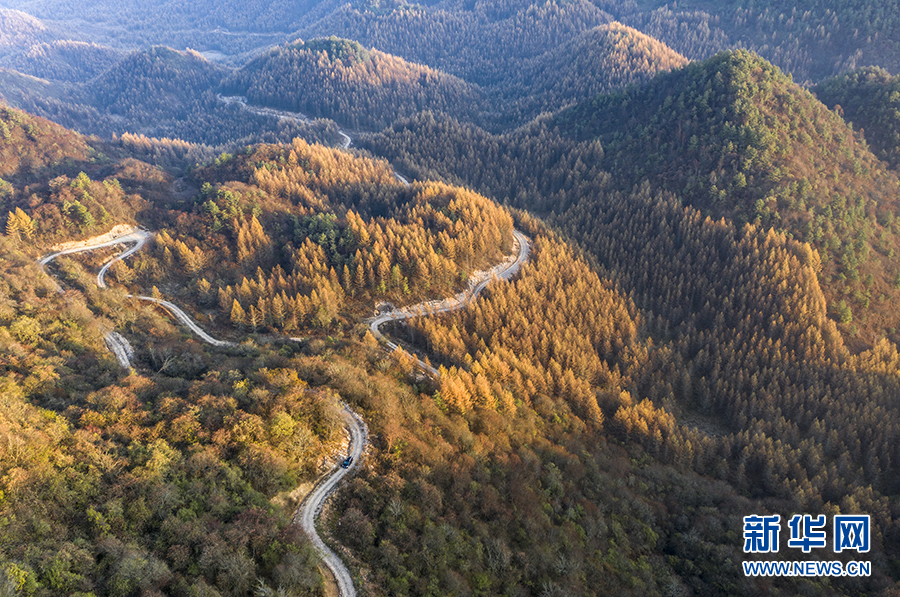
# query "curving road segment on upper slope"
(185, 319)
(503, 271)
(139, 238)
(117, 343)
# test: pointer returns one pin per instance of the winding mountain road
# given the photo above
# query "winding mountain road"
(503, 271)
(117, 343)
(139, 241)
(358, 431)
(308, 511)
(185, 319)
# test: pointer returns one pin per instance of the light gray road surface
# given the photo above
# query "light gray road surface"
(185, 319)
(115, 342)
(138, 245)
(137, 236)
(119, 346)
(503, 271)
(312, 505)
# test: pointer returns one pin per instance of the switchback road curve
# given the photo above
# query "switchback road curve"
(503, 271)
(356, 427)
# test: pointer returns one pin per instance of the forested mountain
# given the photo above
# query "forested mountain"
(340, 80)
(869, 98)
(480, 43)
(29, 46)
(32, 146)
(177, 477)
(704, 326)
(110, 482)
(757, 148)
(65, 60)
(810, 39)
(550, 456)
(599, 60)
(158, 93)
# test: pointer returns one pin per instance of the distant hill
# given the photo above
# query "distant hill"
(158, 93)
(20, 30)
(230, 26)
(599, 60)
(341, 80)
(65, 60)
(156, 82)
(870, 99)
(811, 39)
(480, 42)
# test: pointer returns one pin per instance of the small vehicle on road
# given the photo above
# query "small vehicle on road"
(347, 462)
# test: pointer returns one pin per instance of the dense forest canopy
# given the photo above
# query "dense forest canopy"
(869, 98)
(703, 325)
(343, 81)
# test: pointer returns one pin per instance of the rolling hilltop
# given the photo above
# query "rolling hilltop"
(340, 80)
(599, 60)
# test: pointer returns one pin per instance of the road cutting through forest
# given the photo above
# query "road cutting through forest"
(477, 283)
(280, 114)
(308, 511)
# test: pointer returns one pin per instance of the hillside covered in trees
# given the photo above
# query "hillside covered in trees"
(705, 327)
(757, 149)
(869, 98)
(341, 80)
(177, 477)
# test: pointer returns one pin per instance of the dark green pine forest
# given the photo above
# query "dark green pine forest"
(706, 326)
